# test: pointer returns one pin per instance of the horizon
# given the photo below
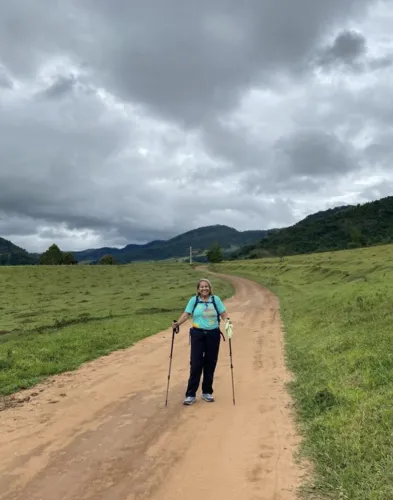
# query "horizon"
(198, 228)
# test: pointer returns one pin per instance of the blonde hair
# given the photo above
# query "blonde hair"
(206, 281)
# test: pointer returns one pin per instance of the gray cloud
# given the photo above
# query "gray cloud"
(186, 63)
(350, 49)
(377, 190)
(316, 154)
(135, 123)
(346, 48)
(302, 163)
(61, 86)
(5, 80)
(203, 56)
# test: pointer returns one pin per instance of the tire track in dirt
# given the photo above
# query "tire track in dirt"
(111, 437)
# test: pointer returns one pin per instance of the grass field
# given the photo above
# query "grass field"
(337, 310)
(55, 318)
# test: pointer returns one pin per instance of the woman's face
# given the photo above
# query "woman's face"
(204, 289)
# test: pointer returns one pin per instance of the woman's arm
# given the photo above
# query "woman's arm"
(221, 307)
(224, 315)
(183, 318)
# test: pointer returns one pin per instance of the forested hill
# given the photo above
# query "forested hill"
(13, 255)
(199, 239)
(336, 229)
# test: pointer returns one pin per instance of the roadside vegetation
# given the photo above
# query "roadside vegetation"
(338, 316)
(54, 318)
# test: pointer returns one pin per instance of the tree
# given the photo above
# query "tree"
(52, 257)
(55, 257)
(107, 260)
(69, 259)
(357, 237)
(281, 252)
(214, 255)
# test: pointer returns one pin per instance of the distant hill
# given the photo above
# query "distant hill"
(12, 255)
(349, 226)
(199, 239)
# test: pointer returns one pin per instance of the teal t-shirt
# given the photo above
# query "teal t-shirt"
(205, 315)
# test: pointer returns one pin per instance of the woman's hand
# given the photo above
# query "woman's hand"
(224, 316)
(184, 317)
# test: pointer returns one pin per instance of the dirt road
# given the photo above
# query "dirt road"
(103, 432)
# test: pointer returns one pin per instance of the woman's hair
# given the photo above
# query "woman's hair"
(206, 281)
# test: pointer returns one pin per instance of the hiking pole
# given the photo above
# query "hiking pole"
(228, 328)
(175, 329)
(233, 385)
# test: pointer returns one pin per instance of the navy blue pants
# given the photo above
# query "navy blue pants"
(205, 345)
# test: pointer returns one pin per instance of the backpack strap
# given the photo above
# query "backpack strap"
(215, 307)
(195, 304)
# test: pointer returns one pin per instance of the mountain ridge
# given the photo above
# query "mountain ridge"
(11, 254)
(340, 228)
(346, 226)
(200, 239)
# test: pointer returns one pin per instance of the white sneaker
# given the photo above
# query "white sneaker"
(189, 401)
(208, 397)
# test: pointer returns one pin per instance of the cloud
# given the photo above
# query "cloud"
(311, 153)
(347, 47)
(350, 49)
(137, 123)
(194, 62)
(5, 80)
(185, 62)
(61, 86)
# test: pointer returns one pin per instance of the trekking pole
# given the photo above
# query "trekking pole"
(233, 385)
(175, 330)
(228, 328)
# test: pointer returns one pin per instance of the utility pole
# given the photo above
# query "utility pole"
(190, 255)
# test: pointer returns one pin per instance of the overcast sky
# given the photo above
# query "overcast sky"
(129, 120)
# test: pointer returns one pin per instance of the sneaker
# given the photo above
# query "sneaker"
(208, 397)
(189, 400)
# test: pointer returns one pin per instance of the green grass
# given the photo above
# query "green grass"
(337, 309)
(54, 318)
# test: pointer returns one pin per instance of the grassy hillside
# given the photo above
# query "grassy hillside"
(200, 239)
(336, 229)
(11, 255)
(54, 318)
(338, 316)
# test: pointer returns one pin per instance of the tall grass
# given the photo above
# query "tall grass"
(338, 314)
(53, 318)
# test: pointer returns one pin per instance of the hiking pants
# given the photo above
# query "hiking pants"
(205, 345)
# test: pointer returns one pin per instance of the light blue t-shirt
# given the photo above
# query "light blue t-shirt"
(205, 315)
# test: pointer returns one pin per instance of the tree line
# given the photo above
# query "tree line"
(55, 257)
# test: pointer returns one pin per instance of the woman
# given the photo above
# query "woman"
(205, 335)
